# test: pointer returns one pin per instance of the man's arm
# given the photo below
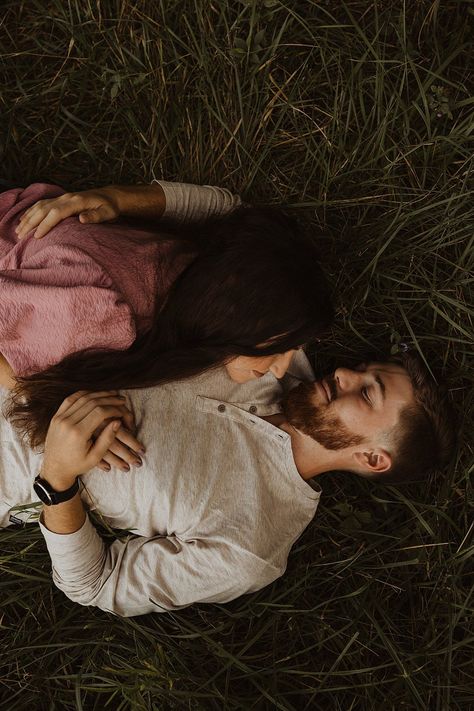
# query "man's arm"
(186, 202)
(181, 202)
(73, 446)
(141, 574)
(7, 377)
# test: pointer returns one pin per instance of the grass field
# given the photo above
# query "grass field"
(360, 116)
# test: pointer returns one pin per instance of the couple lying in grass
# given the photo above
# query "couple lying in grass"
(153, 373)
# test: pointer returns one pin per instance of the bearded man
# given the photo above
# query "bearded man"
(229, 475)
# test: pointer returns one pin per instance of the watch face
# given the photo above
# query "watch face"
(49, 496)
(40, 488)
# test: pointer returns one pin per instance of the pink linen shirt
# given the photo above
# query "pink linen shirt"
(79, 287)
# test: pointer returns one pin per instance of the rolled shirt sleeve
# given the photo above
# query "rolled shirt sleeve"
(193, 203)
(138, 575)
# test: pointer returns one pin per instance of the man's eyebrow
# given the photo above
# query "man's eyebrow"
(380, 382)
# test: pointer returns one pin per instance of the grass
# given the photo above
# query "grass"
(359, 115)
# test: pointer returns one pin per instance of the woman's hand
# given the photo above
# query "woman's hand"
(92, 206)
(71, 448)
(99, 205)
(123, 453)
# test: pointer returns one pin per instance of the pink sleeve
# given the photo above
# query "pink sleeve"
(54, 301)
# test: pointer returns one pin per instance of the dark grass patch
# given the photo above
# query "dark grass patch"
(358, 115)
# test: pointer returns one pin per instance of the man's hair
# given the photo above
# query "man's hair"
(424, 437)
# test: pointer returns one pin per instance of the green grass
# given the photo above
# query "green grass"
(360, 116)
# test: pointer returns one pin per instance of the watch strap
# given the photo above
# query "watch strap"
(49, 496)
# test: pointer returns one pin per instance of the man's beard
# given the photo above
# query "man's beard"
(314, 421)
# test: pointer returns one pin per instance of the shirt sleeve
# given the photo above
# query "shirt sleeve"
(192, 203)
(139, 575)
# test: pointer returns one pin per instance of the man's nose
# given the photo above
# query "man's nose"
(281, 364)
(346, 379)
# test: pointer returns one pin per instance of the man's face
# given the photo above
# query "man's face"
(350, 407)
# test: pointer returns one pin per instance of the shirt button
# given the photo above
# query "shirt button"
(221, 408)
(253, 409)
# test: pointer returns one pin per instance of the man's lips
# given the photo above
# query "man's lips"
(328, 390)
(324, 387)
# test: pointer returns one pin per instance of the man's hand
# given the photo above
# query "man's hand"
(70, 447)
(100, 205)
(92, 206)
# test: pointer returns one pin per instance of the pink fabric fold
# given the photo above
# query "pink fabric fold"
(81, 286)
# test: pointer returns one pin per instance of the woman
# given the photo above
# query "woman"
(120, 305)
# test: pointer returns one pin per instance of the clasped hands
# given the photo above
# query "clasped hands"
(89, 430)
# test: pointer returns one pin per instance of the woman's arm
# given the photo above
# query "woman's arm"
(7, 377)
(181, 202)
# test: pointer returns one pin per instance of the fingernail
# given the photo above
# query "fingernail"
(126, 468)
(138, 462)
(142, 450)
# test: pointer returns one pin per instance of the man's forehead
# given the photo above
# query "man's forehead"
(386, 367)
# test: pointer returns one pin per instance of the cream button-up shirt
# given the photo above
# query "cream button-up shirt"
(213, 511)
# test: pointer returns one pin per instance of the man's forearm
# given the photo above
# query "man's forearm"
(145, 201)
(186, 202)
(181, 202)
(67, 517)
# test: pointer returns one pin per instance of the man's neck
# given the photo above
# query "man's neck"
(310, 457)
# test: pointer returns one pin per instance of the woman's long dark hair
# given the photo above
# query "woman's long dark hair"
(255, 280)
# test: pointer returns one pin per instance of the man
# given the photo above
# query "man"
(226, 486)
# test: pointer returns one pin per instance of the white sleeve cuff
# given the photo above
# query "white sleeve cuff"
(73, 552)
(185, 202)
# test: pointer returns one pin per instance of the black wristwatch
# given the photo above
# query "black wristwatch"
(49, 496)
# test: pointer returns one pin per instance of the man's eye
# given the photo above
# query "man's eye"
(365, 395)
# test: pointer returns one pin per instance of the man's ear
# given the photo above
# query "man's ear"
(374, 461)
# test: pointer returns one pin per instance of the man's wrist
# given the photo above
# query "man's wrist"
(58, 480)
(146, 201)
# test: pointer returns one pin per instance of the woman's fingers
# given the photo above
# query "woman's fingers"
(127, 438)
(121, 457)
(112, 460)
(102, 443)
